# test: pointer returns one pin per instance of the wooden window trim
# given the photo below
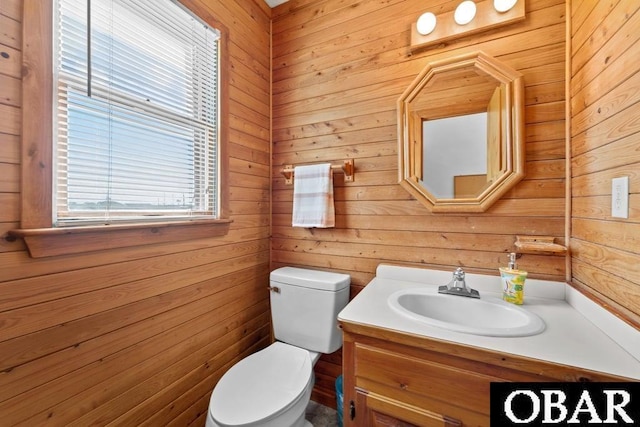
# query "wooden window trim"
(36, 224)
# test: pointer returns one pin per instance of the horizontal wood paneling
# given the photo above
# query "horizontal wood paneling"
(313, 96)
(605, 144)
(338, 69)
(138, 335)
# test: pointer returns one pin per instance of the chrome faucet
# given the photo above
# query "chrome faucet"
(458, 286)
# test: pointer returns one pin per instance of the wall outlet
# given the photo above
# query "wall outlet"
(620, 197)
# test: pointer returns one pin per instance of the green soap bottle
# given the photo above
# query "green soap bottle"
(512, 281)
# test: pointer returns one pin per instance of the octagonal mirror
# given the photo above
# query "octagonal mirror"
(461, 133)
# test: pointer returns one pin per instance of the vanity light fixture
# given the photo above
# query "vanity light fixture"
(426, 23)
(503, 6)
(470, 17)
(465, 12)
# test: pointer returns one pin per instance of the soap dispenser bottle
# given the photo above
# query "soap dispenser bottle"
(512, 281)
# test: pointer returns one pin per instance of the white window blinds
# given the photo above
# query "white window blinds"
(137, 112)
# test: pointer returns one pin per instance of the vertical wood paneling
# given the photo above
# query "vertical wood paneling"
(605, 143)
(338, 69)
(138, 335)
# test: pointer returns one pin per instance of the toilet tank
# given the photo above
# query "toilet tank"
(305, 305)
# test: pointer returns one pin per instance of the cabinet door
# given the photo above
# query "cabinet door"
(373, 410)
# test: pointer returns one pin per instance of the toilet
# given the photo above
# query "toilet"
(271, 388)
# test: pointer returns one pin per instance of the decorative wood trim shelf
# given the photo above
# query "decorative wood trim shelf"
(539, 244)
(45, 242)
(347, 167)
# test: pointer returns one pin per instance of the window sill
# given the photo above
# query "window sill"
(46, 242)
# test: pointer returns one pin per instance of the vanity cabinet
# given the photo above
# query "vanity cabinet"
(393, 379)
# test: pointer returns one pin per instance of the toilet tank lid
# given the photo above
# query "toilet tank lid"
(315, 279)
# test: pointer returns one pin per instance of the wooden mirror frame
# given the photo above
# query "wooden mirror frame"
(512, 116)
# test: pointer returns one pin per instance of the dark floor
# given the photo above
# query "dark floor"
(321, 416)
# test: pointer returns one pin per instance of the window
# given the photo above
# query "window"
(136, 124)
(39, 163)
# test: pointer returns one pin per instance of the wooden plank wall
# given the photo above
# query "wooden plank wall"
(339, 67)
(138, 336)
(605, 143)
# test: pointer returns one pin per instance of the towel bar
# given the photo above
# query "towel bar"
(347, 167)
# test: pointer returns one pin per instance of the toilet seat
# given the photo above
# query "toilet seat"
(271, 380)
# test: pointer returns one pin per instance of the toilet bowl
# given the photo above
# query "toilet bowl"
(270, 388)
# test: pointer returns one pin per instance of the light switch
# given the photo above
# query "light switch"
(620, 197)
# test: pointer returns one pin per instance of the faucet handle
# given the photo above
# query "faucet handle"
(457, 286)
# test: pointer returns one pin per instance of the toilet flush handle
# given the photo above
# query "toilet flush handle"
(274, 289)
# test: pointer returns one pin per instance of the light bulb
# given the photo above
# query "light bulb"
(465, 12)
(426, 23)
(504, 5)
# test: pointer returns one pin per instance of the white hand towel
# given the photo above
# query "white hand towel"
(313, 196)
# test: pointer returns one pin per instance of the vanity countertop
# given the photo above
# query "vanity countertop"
(578, 332)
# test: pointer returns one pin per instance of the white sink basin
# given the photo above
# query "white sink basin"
(488, 316)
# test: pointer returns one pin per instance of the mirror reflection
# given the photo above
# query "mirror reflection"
(461, 133)
(461, 138)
